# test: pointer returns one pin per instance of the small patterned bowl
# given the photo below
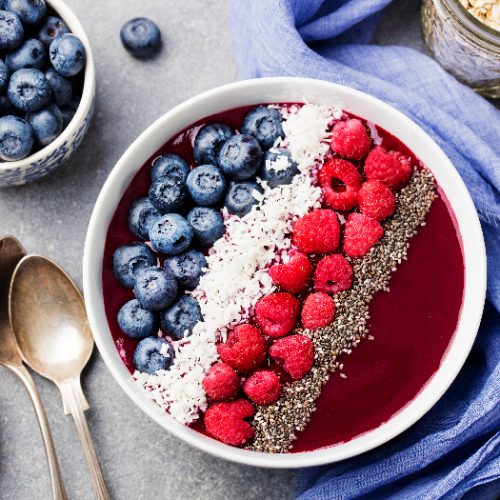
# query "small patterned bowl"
(57, 152)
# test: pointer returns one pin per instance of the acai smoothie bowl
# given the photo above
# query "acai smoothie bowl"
(284, 272)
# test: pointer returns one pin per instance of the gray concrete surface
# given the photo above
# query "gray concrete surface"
(139, 459)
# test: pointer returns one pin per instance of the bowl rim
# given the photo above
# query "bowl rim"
(88, 93)
(473, 249)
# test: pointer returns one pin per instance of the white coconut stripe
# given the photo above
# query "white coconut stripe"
(237, 264)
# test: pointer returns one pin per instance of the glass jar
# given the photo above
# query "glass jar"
(463, 45)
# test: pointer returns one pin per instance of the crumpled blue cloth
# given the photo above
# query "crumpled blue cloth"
(452, 452)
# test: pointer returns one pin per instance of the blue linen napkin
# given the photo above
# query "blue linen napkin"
(452, 452)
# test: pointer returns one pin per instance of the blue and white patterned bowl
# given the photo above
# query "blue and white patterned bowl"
(56, 153)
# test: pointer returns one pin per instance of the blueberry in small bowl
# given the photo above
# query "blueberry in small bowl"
(241, 197)
(170, 165)
(141, 37)
(187, 268)
(47, 124)
(28, 89)
(206, 185)
(171, 234)
(207, 224)
(137, 322)
(240, 156)
(52, 28)
(155, 288)
(129, 259)
(30, 12)
(67, 55)
(153, 354)
(33, 77)
(31, 54)
(208, 142)
(16, 138)
(179, 320)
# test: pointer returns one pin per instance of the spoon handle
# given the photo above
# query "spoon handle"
(74, 400)
(58, 491)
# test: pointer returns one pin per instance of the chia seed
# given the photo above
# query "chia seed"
(276, 426)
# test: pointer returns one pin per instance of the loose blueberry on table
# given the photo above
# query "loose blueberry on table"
(246, 254)
(41, 74)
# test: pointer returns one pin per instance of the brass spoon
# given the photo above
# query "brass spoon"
(11, 252)
(49, 321)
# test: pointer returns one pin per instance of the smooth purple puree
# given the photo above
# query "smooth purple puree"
(412, 324)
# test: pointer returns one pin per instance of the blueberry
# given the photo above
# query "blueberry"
(29, 11)
(137, 322)
(278, 167)
(11, 31)
(51, 29)
(47, 124)
(264, 124)
(129, 259)
(178, 321)
(155, 288)
(207, 224)
(141, 217)
(62, 89)
(31, 54)
(171, 234)
(67, 55)
(187, 268)
(67, 115)
(168, 194)
(28, 89)
(169, 165)
(208, 141)
(206, 185)
(16, 138)
(240, 156)
(141, 37)
(4, 76)
(240, 197)
(149, 357)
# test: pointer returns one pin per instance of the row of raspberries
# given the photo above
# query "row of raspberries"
(251, 351)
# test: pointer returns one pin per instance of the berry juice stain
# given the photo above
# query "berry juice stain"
(412, 325)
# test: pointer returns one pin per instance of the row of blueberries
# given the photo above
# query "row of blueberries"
(40, 70)
(227, 166)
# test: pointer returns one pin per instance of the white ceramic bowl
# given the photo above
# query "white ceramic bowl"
(291, 90)
(51, 157)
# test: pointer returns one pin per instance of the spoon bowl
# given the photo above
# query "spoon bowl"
(49, 319)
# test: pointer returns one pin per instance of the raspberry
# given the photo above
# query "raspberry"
(221, 383)
(317, 232)
(376, 200)
(318, 310)
(340, 182)
(350, 139)
(360, 234)
(276, 314)
(333, 274)
(390, 167)
(245, 348)
(295, 354)
(263, 387)
(293, 275)
(225, 422)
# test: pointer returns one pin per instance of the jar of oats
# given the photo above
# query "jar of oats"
(464, 37)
